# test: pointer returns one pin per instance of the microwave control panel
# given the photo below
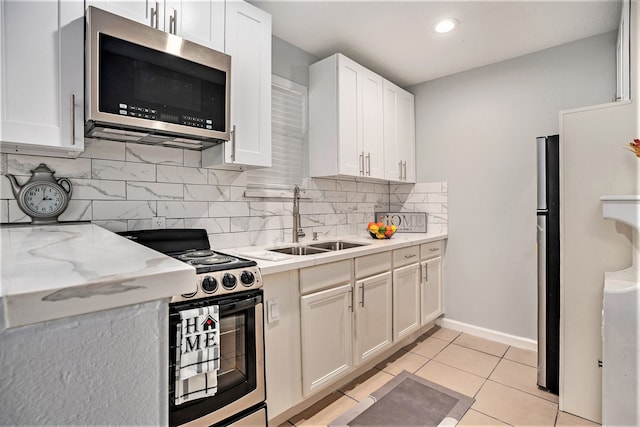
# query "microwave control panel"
(153, 114)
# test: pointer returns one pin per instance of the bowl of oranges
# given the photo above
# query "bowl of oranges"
(379, 230)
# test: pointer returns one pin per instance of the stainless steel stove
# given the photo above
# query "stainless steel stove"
(217, 273)
(234, 286)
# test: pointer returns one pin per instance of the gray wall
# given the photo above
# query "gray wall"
(290, 62)
(107, 368)
(476, 130)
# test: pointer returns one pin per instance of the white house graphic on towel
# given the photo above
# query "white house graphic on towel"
(200, 335)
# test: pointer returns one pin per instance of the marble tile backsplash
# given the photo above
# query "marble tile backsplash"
(122, 186)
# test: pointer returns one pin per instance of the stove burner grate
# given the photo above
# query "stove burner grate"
(197, 254)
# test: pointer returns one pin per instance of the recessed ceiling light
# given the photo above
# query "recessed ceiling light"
(446, 25)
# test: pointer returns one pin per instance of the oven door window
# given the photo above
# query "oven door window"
(237, 375)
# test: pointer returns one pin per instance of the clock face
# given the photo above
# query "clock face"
(44, 200)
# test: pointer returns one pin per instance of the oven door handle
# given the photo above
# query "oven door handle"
(234, 306)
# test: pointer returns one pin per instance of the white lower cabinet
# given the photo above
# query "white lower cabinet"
(282, 341)
(406, 300)
(326, 321)
(373, 316)
(431, 298)
(326, 328)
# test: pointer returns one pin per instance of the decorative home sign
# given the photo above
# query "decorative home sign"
(406, 222)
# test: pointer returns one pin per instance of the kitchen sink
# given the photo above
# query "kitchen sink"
(299, 250)
(336, 245)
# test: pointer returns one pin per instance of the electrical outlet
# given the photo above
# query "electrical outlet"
(158, 222)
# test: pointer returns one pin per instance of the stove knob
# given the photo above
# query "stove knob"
(209, 284)
(229, 281)
(247, 278)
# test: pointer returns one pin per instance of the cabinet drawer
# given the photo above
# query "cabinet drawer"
(324, 276)
(406, 256)
(373, 264)
(431, 249)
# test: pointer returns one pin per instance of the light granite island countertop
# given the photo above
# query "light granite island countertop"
(57, 271)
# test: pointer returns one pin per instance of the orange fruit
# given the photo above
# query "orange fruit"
(370, 225)
(380, 225)
(388, 233)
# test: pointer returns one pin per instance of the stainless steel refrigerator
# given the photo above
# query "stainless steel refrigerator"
(548, 243)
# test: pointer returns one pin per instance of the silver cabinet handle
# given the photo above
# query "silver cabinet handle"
(73, 119)
(362, 163)
(434, 249)
(400, 167)
(424, 273)
(173, 22)
(362, 293)
(404, 167)
(351, 300)
(410, 256)
(154, 14)
(368, 164)
(233, 143)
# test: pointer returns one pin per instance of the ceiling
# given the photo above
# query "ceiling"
(396, 38)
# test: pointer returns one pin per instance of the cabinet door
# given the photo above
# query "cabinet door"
(142, 11)
(248, 41)
(431, 298)
(399, 134)
(326, 328)
(372, 124)
(406, 135)
(351, 151)
(200, 21)
(373, 316)
(406, 300)
(42, 82)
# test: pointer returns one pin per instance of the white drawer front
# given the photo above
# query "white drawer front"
(406, 256)
(324, 276)
(373, 264)
(431, 249)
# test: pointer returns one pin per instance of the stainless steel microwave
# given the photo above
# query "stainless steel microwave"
(145, 85)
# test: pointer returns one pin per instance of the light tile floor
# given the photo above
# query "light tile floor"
(501, 378)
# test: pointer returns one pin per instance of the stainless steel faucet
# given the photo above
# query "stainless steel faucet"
(297, 229)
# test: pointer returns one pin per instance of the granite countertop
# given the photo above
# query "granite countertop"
(272, 262)
(55, 271)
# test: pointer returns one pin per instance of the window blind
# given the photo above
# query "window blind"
(288, 127)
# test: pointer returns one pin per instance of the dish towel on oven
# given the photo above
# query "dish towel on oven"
(198, 353)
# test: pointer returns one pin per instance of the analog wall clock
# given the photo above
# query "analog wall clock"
(43, 197)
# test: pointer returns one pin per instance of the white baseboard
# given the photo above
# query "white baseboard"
(501, 337)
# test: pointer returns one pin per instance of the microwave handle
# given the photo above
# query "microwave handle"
(154, 14)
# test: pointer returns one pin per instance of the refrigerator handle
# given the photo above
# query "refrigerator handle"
(541, 163)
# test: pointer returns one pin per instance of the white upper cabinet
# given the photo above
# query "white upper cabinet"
(41, 77)
(143, 11)
(198, 21)
(248, 41)
(399, 134)
(345, 119)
